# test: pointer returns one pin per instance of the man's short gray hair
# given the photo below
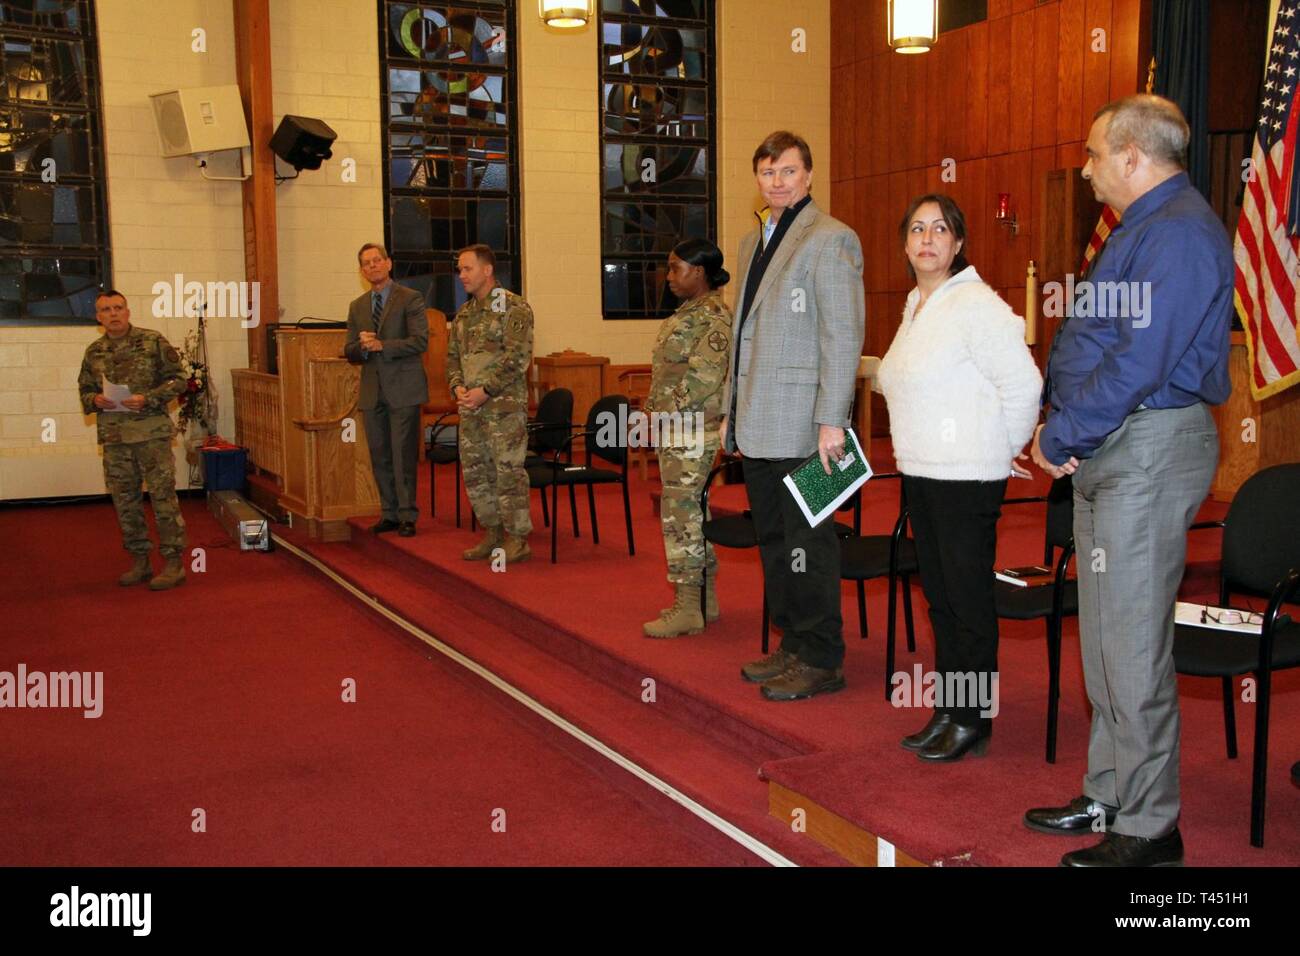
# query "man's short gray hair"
(1152, 123)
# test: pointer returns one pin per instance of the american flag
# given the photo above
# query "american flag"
(1266, 247)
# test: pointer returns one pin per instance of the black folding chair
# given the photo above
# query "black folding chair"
(547, 433)
(732, 531)
(441, 453)
(866, 557)
(1051, 602)
(605, 437)
(1260, 558)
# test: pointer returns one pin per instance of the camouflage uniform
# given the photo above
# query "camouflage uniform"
(689, 372)
(137, 445)
(490, 345)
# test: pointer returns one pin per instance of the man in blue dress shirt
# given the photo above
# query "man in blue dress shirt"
(1130, 380)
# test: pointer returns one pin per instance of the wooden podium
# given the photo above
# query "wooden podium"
(327, 477)
(580, 373)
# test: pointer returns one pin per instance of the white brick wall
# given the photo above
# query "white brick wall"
(330, 73)
(765, 86)
(165, 218)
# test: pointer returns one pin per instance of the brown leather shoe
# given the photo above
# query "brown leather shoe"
(802, 680)
(774, 665)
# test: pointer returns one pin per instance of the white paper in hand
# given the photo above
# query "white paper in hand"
(116, 394)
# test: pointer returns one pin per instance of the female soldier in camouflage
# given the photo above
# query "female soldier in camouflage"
(685, 404)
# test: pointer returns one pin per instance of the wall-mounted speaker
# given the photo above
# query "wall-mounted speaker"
(202, 119)
(302, 142)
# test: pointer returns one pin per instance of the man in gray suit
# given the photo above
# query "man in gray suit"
(798, 334)
(387, 336)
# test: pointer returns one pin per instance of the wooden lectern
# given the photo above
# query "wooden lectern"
(327, 477)
(580, 373)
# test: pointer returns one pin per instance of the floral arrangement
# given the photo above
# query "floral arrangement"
(194, 400)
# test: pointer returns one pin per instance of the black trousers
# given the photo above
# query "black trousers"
(801, 566)
(954, 524)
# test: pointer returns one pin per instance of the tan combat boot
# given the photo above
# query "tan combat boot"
(711, 611)
(141, 572)
(517, 549)
(172, 575)
(483, 550)
(682, 618)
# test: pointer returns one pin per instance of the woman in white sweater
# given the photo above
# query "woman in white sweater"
(963, 395)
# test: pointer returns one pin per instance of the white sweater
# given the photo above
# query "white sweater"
(962, 388)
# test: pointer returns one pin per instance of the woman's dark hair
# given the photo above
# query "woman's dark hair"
(952, 215)
(701, 252)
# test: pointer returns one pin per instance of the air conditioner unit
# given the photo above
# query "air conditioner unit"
(204, 119)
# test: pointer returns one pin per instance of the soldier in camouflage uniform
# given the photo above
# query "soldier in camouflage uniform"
(686, 396)
(488, 352)
(137, 442)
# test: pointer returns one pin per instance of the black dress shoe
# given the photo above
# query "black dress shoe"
(955, 740)
(1072, 819)
(1120, 850)
(406, 529)
(384, 526)
(927, 734)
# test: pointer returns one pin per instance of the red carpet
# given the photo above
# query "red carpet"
(581, 619)
(225, 695)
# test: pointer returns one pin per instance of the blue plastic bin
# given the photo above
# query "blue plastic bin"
(224, 469)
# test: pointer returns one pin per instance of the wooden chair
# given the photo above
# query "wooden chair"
(634, 382)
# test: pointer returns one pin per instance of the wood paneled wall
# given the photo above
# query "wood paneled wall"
(1007, 99)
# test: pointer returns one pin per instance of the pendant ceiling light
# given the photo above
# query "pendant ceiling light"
(566, 13)
(913, 25)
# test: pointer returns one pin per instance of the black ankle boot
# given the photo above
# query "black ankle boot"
(927, 734)
(955, 740)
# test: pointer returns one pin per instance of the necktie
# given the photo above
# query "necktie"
(377, 310)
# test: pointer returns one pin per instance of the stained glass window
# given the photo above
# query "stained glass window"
(657, 139)
(451, 157)
(54, 250)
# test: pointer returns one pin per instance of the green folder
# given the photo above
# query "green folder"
(817, 493)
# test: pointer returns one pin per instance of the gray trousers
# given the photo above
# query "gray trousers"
(393, 435)
(1133, 503)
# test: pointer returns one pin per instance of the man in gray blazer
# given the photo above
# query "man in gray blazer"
(798, 333)
(387, 336)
